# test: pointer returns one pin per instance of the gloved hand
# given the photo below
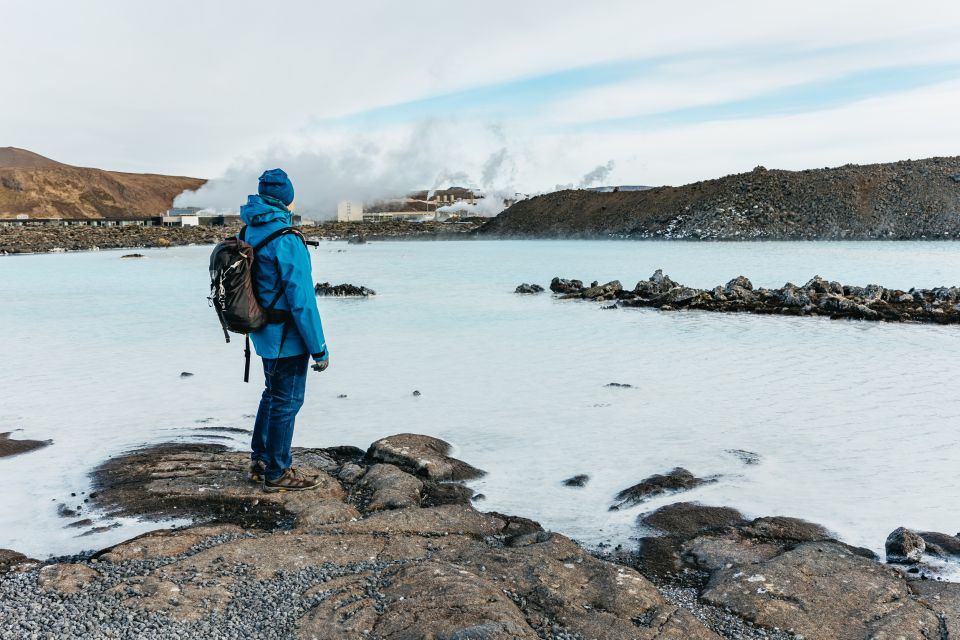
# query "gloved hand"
(321, 361)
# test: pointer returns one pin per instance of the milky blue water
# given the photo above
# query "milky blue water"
(857, 425)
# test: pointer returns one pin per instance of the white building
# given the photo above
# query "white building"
(183, 220)
(349, 211)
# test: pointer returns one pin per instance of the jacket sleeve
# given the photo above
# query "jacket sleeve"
(293, 260)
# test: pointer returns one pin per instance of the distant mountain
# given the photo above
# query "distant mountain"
(910, 199)
(39, 187)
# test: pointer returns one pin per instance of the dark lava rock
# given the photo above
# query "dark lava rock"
(79, 524)
(686, 519)
(578, 480)
(529, 288)
(422, 455)
(823, 592)
(416, 394)
(679, 479)
(941, 544)
(785, 529)
(440, 493)
(904, 546)
(225, 429)
(741, 282)
(356, 240)
(66, 512)
(603, 291)
(746, 457)
(343, 290)
(10, 559)
(559, 285)
(11, 447)
(818, 296)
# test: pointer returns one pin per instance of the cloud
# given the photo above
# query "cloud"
(110, 87)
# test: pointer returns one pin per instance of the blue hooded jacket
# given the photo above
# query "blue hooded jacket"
(284, 259)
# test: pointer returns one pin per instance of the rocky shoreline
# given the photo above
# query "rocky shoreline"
(816, 297)
(392, 546)
(54, 239)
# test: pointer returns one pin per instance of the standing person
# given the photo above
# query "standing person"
(282, 274)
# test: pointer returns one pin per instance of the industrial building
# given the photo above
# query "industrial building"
(348, 211)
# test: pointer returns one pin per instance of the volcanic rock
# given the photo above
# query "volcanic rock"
(422, 455)
(529, 288)
(679, 479)
(579, 480)
(11, 447)
(342, 290)
(903, 545)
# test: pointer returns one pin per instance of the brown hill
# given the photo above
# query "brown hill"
(38, 187)
(910, 199)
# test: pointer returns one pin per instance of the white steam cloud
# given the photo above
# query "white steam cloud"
(356, 168)
(598, 175)
(349, 166)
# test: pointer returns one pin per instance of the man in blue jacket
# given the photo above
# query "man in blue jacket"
(286, 347)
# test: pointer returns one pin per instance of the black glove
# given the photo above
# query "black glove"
(321, 361)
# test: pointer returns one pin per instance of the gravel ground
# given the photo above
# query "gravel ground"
(719, 620)
(259, 608)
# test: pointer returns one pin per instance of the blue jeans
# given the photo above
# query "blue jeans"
(286, 381)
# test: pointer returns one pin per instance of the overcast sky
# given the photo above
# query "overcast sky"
(363, 97)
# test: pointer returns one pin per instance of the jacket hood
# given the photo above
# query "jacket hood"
(263, 209)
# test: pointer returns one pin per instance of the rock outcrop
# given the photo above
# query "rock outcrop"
(11, 446)
(377, 552)
(912, 199)
(342, 290)
(390, 547)
(790, 574)
(528, 288)
(674, 481)
(817, 297)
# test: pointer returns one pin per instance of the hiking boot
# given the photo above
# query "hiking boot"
(257, 471)
(292, 480)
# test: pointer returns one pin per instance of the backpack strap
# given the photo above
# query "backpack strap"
(273, 236)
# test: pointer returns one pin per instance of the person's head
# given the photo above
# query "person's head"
(276, 184)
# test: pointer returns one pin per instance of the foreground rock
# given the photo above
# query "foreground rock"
(816, 297)
(904, 546)
(390, 546)
(386, 548)
(11, 446)
(342, 290)
(422, 455)
(791, 574)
